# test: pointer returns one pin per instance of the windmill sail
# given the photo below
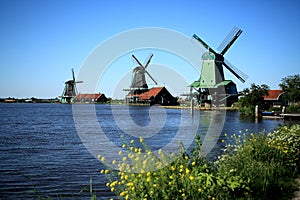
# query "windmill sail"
(148, 60)
(204, 44)
(151, 77)
(238, 73)
(139, 79)
(229, 40)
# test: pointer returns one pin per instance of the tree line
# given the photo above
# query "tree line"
(290, 85)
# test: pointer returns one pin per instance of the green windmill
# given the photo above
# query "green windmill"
(212, 86)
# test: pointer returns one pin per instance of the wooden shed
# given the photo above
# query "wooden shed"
(155, 95)
(275, 98)
(90, 98)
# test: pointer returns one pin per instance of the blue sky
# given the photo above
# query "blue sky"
(42, 40)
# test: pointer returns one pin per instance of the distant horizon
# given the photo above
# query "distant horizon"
(58, 97)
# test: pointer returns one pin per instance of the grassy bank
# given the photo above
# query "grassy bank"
(200, 108)
(253, 166)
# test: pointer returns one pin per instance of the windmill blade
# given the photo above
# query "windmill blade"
(238, 73)
(138, 62)
(73, 74)
(151, 77)
(204, 44)
(149, 59)
(229, 40)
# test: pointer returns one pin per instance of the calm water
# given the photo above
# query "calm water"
(42, 153)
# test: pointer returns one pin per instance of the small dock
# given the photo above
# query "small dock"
(290, 116)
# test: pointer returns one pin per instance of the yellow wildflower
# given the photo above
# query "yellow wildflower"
(129, 184)
(144, 162)
(141, 140)
(159, 151)
(187, 171)
(123, 193)
(191, 178)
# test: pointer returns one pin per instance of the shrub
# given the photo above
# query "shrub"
(268, 162)
(253, 166)
(188, 177)
(293, 108)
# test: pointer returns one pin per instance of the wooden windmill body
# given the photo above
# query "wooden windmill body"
(212, 85)
(138, 82)
(70, 90)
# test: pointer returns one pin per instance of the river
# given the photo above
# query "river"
(44, 150)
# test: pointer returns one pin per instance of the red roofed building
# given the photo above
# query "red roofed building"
(90, 98)
(156, 95)
(275, 98)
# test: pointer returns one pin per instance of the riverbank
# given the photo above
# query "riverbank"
(200, 108)
(253, 166)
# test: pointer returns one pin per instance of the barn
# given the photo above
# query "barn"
(275, 98)
(90, 98)
(155, 95)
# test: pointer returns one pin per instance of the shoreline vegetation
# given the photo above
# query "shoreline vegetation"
(252, 166)
(185, 106)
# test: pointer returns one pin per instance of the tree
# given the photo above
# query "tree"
(253, 96)
(291, 85)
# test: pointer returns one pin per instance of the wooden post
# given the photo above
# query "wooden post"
(283, 109)
(192, 107)
(192, 101)
(256, 111)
